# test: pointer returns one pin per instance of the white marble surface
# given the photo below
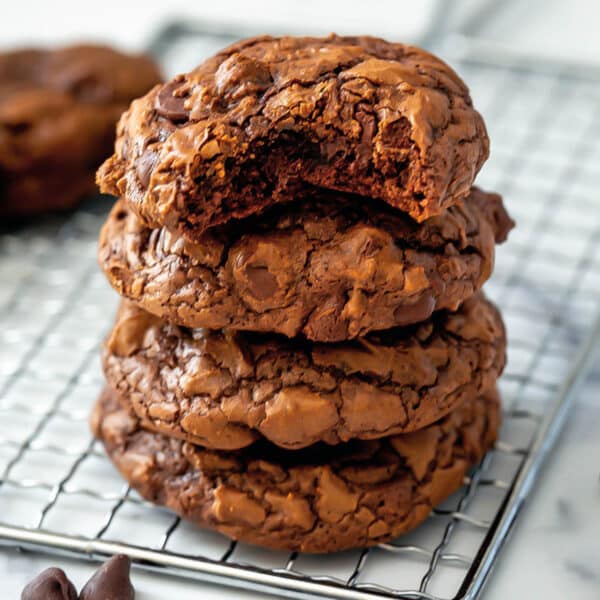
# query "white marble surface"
(553, 554)
(555, 549)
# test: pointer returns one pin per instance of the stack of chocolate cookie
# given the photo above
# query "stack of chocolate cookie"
(303, 358)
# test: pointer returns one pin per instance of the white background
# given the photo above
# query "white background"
(564, 28)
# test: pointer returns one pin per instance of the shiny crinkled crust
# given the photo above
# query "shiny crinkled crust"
(225, 389)
(58, 110)
(329, 269)
(266, 117)
(321, 499)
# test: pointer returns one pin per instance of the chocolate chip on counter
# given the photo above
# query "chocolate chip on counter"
(110, 582)
(51, 584)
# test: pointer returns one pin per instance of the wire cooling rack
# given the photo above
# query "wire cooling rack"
(58, 492)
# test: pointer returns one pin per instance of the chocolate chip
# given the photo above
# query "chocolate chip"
(144, 165)
(170, 102)
(110, 582)
(125, 149)
(240, 76)
(369, 128)
(51, 584)
(261, 282)
(420, 310)
(164, 130)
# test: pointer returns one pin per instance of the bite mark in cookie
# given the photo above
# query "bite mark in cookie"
(264, 118)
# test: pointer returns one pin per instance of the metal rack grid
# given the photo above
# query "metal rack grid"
(59, 494)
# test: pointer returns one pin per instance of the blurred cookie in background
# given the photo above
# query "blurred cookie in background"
(58, 110)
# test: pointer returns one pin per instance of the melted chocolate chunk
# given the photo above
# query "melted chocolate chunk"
(241, 76)
(170, 102)
(144, 166)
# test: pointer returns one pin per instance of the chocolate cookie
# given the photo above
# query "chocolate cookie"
(329, 268)
(225, 389)
(58, 110)
(321, 499)
(266, 117)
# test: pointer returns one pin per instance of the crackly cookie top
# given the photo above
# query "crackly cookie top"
(328, 268)
(266, 117)
(225, 389)
(320, 499)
